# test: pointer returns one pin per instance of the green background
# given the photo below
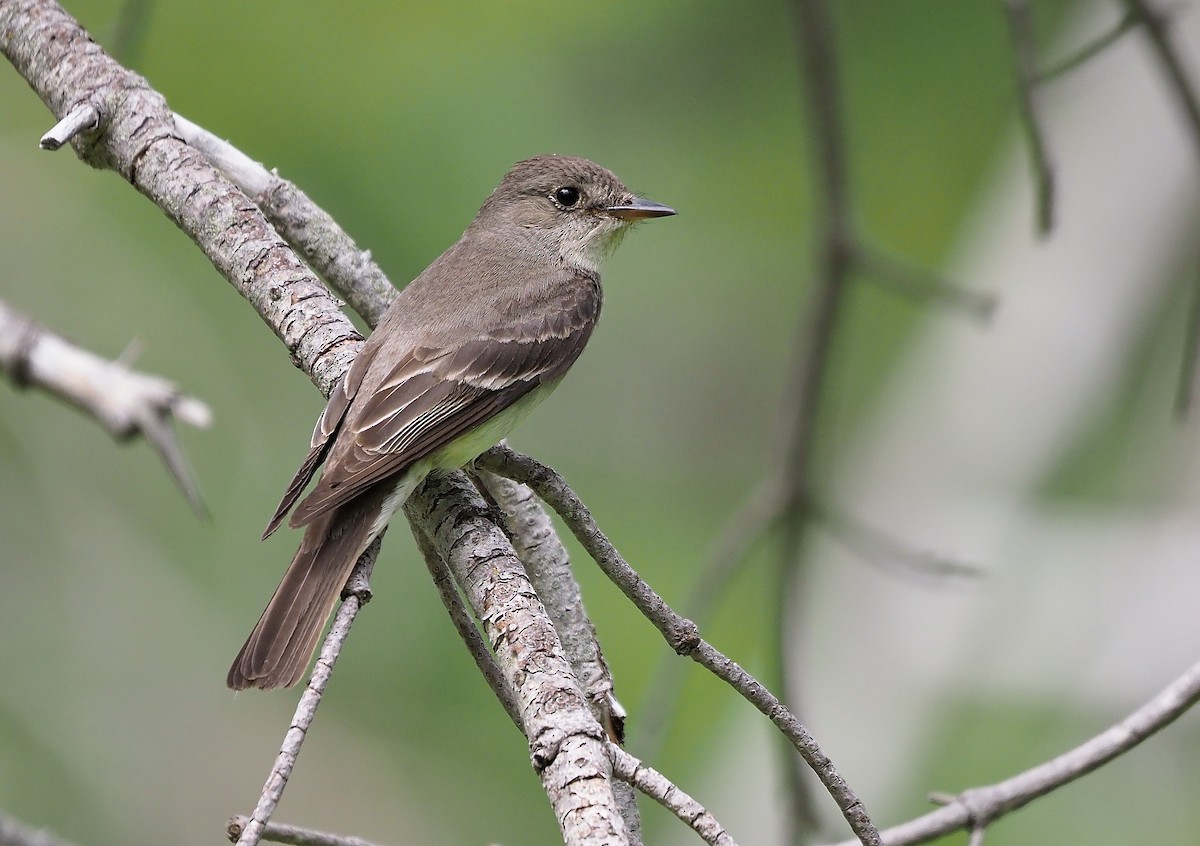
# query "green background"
(119, 610)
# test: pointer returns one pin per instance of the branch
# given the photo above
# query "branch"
(306, 226)
(1020, 26)
(549, 567)
(1185, 387)
(920, 284)
(679, 633)
(135, 135)
(886, 552)
(126, 403)
(356, 594)
(1089, 51)
(447, 588)
(816, 43)
(566, 742)
(977, 807)
(292, 834)
(1146, 13)
(659, 788)
(1155, 24)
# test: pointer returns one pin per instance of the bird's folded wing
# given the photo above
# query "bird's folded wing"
(434, 395)
(328, 424)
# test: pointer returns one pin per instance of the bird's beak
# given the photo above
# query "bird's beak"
(636, 208)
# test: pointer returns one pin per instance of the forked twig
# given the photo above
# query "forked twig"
(977, 807)
(680, 634)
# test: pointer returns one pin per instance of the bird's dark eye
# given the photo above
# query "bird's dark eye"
(567, 196)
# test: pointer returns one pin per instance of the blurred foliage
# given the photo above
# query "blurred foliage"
(121, 611)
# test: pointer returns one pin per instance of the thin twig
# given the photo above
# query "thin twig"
(979, 806)
(1154, 20)
(680, 634)
(663, 791)
(293, 834)
(886, 552)
(125, 402)
(1185, 390)
(84, 117)
(1089, 51)
(356, 594)
(327, 247)
(921, 284)
(1020, 25)
(745, 528)
(816, 44)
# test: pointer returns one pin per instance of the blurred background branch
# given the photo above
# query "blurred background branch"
(124, 402)
(976, 808)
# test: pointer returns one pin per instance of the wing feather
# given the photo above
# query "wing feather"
(434, 394)
(329, 421)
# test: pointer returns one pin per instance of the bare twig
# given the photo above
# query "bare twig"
(1155, 22)
(1185, 389)
(979, 806)
(659, 788)
(126, 403)
(921, 284)
(83, 118)
(886, 552)
(306, 226)
(680, 634)
(1153, 19)
(355, 595)
(293, 834)
(816, 43)
(1089, 51)
(1020, 25)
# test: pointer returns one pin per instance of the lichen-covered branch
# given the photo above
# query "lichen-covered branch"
(135, 135)
(567, 744)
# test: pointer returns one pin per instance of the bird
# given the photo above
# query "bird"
(465, 351)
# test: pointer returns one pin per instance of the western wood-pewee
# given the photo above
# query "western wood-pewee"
(461, 356)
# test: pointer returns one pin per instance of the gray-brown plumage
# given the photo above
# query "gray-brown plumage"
(465, 351)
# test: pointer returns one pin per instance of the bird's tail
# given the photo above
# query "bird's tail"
(278, 650)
